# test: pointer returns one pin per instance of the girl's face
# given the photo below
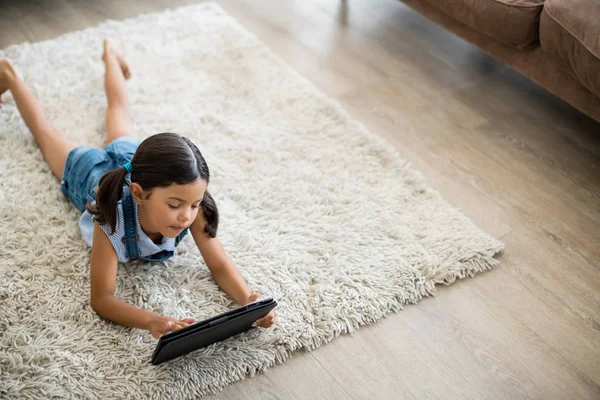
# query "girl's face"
(168, 211)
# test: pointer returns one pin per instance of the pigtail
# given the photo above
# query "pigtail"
(109, 193)
(211, 214)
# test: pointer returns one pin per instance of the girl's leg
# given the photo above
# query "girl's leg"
(55, 148)
(118, 122)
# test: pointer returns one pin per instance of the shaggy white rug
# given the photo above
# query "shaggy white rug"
(317, 212)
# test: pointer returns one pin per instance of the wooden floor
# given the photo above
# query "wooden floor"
(521, 163)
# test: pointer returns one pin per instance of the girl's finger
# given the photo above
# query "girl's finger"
(171, 328)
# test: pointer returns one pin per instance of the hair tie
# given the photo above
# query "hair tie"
(127, 166)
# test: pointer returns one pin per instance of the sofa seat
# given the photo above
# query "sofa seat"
(570, 34)
(512, 22)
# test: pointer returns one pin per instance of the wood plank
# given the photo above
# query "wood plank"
(301, 377)
(391, 360)
(10, 32)
(483, 338)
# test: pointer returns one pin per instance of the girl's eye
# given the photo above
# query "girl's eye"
(176, 207)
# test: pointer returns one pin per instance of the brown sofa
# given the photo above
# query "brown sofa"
(556, 43)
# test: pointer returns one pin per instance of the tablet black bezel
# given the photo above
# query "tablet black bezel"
(193, 329)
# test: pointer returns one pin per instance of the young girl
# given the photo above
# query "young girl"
(138, 200)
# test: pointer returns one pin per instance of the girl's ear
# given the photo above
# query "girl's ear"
(137, 193)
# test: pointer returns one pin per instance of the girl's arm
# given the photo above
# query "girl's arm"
(103, 274)
(224, 272)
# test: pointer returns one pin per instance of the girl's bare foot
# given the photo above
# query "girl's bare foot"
(111, 50)
(7, 73)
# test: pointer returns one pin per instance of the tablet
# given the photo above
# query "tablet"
(202, 333)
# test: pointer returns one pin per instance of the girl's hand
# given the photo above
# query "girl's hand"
(265, 321)
(160, 325)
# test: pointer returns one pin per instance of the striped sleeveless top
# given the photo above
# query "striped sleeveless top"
(145, 245)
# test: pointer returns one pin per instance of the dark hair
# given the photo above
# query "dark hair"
(159, 161)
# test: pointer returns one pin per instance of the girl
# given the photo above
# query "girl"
(138, 200)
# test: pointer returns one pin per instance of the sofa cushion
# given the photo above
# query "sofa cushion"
(570, 34)
(512, 22)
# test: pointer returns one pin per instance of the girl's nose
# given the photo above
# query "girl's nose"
(185, 215)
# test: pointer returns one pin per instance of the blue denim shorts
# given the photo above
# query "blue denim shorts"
(86, 165)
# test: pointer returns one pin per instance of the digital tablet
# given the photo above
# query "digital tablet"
(202, 333)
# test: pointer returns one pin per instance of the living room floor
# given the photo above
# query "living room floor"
(522, 164)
